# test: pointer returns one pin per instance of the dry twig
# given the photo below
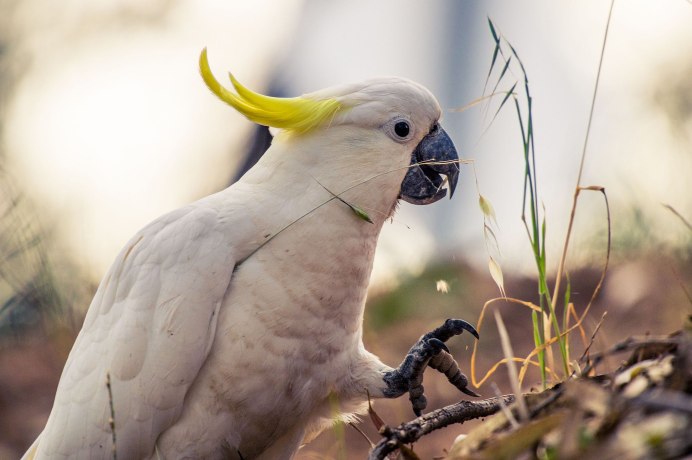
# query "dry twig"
(410, 432)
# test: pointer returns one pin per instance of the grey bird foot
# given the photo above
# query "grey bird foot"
(429, 351)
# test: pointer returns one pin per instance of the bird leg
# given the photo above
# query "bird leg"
(429, 351)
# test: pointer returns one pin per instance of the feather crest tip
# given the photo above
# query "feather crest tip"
(298, 114)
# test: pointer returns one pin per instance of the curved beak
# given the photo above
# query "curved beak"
(434, 156)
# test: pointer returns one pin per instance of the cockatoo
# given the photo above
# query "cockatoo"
(228, 328)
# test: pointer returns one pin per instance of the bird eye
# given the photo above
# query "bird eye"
(401, 129)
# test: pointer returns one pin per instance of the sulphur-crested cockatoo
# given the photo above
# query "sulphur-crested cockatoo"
(228, 328)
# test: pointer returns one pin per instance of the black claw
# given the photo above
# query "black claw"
(470, 392)
(472, 330)
(418, 400)
(438, 344)
(450, 328)
(459, 325)
(427, 352)
(417, 392)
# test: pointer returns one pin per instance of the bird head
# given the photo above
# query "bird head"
(383, 132)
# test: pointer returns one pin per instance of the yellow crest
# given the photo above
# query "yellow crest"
(297, 114)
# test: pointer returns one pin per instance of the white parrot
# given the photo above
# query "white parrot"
(228, 328)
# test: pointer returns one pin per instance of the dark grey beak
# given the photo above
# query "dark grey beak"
(434, 155)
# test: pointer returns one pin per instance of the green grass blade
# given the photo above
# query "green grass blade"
(521, 64)
(496, 51)
(360, 212)
(538, 342)
(502, 74)
(566, 300)
(504, 99)
(496, 37)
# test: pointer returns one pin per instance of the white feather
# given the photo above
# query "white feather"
(229, 325)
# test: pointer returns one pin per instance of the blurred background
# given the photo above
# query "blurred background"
(105, 124)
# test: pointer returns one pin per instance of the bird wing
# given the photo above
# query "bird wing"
(149, 328)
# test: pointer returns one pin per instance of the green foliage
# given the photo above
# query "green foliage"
(535, 224)
(546, 329)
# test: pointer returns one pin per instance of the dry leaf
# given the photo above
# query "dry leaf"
(487, 208)
(496, 273)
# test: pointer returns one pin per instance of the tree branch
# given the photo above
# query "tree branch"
(412, 431)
